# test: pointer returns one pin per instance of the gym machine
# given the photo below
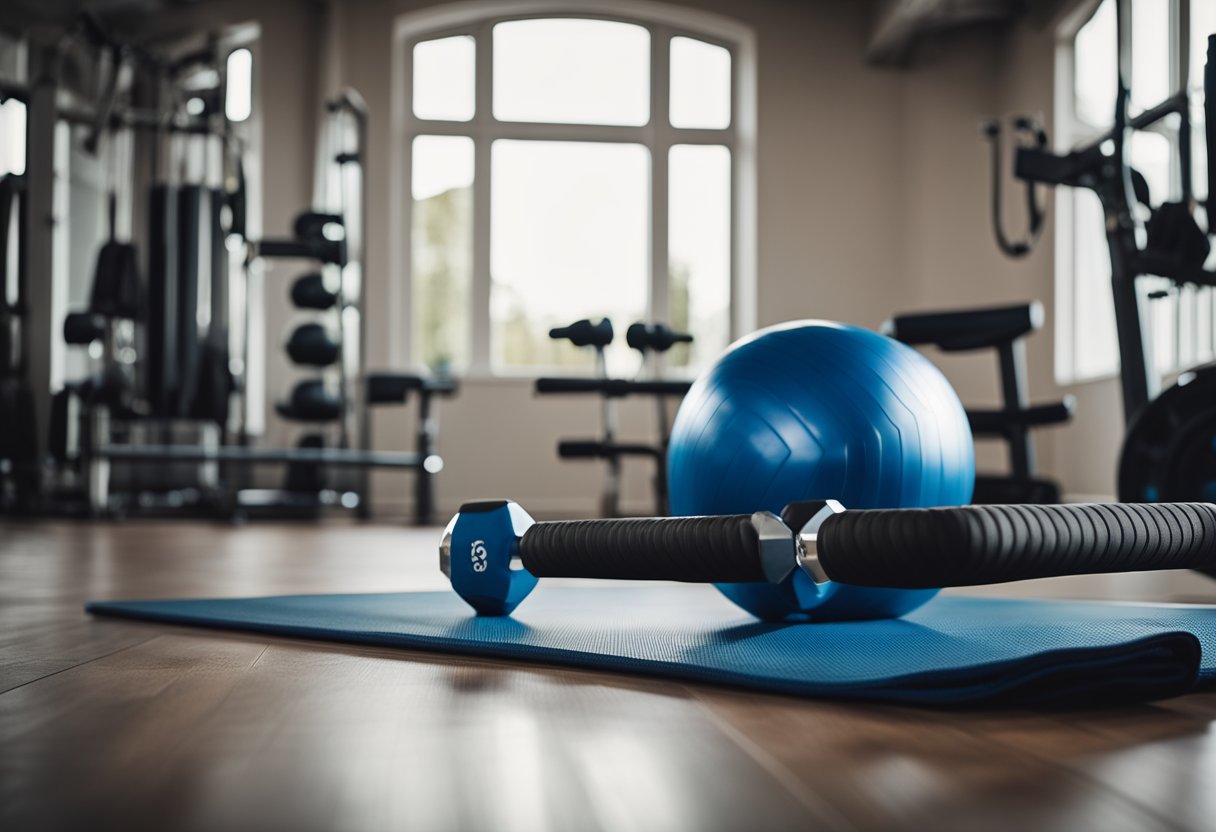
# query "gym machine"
(652, 341)
(19, 464)
(340, 397)
(1169, 452)
(167, 413)
(1003, 329)
(893, 555)
(104, 105)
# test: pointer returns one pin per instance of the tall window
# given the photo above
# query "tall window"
(561, 168)
(1167, 37)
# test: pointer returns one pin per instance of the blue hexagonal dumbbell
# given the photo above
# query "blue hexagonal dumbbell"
(480, 555)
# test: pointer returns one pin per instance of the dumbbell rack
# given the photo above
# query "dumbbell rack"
(316, 238)
(651, 340)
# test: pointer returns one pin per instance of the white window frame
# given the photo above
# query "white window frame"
(663, 22)
(1190, 311)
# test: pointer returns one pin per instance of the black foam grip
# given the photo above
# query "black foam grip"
(918, 548)
(722, 549)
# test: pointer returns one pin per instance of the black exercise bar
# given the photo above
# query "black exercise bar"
(612, 387)
(338, 457)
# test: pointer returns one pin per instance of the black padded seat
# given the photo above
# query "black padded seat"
(614, 388)
(394, 388)
(969, 329)
(1005, 422)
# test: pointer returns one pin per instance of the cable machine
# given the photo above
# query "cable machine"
(1169, 453)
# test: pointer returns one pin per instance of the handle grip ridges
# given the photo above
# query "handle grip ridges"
(970, 545)
(720, 549)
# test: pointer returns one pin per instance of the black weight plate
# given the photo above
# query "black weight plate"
(1169, 454)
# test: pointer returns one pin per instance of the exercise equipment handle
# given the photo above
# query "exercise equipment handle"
(642, 337)
(584, 333)
(720, 549)
(922, 548)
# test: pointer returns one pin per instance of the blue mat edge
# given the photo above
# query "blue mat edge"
(897, 689)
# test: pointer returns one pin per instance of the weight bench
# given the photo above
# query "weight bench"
(395, 389)
(607, 448)
(1004, 329)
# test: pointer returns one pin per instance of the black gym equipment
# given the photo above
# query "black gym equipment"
(318, 236)
(312, 344)
(654, 339)
(1027, 133)
(168, 413)
(1169, 452)
(19, 463)
(169, 409)
(333, 343)
(1003, 329)
(311, 401)
(493, 552)
(584, 333)
(651, 340)
(310, 292)
(395, 389)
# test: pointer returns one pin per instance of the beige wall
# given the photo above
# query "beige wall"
(872, 197)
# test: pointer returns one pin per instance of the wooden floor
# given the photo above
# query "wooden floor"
(107, 724)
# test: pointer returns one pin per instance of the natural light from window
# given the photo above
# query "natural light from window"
(238, 99)
(552, 265)
(568, 193)
(442, 237)
(700, 84)
(573, 71)
(699, 248)
(443, 79)
(12, 137)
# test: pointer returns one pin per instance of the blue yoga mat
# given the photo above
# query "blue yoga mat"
(953, 651)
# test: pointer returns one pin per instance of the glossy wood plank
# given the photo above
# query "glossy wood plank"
(232, 733)
(888, 767)
(113, 724)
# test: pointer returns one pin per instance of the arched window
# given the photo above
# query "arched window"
(555, 166)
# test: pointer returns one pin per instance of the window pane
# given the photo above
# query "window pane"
(1150, 53)
(238, 95)
(1149, 153)
(1095, 67)
(1094, 342)
(1203, 23)
(569, 239)
(442, 248)
(580, 71)
(12, 137)
(700, 84)
(699, 251)
(1162, 320)
(443, 78)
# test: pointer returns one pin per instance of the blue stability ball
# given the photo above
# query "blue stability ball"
(814, 410)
